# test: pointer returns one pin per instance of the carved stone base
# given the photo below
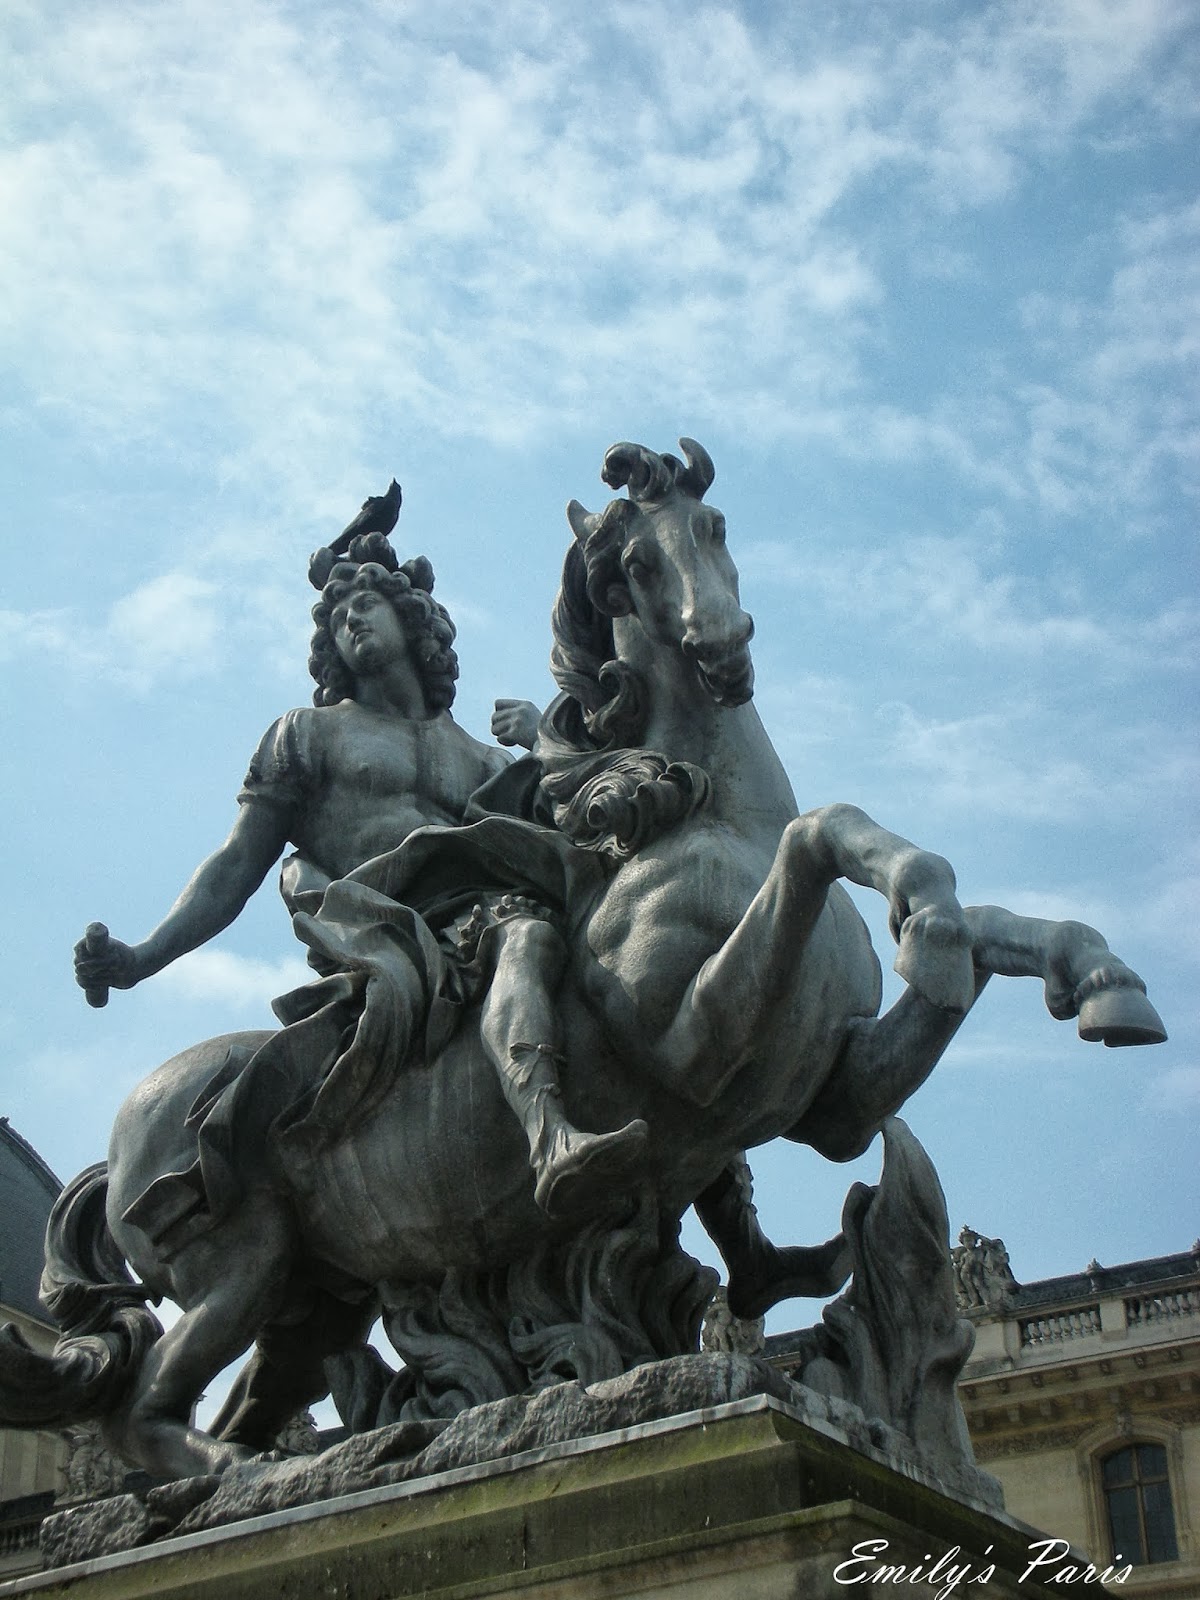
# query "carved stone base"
(744, 1498)
(407, 1452)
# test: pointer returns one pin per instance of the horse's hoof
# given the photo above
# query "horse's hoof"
(1120, 1016)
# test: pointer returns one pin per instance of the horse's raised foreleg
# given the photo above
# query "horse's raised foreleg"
(738, 990)
(886, 1059)
(231, 1282)
(924, 914)
(1083, 978)
(882, 1062)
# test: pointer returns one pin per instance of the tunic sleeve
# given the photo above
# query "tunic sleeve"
(281, 769)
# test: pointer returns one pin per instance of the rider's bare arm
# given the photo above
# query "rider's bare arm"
(216, 893)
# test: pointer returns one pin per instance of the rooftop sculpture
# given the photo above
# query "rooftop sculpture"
(554, 1000)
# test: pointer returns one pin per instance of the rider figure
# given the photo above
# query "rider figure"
(350, 778)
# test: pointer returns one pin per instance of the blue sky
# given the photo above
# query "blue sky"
(923, 279)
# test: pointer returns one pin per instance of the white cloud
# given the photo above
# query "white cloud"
(165, 628)
(1176, 1090)
(168, 621)
(1166, 917)
(962, 591)
(1115, 423)
(983, 1048)
(232, 981)
(979, 763)
(47, 637)
(285, 221)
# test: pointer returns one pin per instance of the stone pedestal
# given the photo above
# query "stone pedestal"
(745, 1500)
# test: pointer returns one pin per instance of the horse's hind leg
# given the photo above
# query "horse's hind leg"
(762, 1273)
(286, 1373)
(1082, 976)
(230, 1282)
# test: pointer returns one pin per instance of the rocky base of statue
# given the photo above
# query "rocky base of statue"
(407, 1451)
(879, 1372)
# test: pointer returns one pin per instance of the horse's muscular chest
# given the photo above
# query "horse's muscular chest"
(665, 914)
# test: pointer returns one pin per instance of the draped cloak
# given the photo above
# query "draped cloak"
(392, 992)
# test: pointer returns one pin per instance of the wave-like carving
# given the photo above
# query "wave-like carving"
(611, 1297)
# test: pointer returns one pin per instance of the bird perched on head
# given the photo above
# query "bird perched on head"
(379, 514)
(370, 528)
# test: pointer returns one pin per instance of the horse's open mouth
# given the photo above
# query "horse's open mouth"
(729, 680)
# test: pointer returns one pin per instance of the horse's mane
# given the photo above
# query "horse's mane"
(607, 791)
(584, 661)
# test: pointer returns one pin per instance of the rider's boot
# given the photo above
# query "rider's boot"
(571, 1168)
(762, 1274)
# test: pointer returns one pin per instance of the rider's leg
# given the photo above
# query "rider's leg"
(521, 1034)
(761, 1274)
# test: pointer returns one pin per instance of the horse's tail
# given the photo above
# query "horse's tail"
(106, 1324)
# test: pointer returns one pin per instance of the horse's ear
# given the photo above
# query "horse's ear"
(645, 472)
(700, 471)
(582, 520)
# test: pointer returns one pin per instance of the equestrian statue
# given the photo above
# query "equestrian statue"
(554, 1000)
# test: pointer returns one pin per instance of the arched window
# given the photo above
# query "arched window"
(1137, 1497)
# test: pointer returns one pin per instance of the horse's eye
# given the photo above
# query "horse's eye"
(718, 530)
(638, 562)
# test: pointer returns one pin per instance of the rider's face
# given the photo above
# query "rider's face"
(368, 634)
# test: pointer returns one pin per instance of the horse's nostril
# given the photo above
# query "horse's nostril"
(714, 648)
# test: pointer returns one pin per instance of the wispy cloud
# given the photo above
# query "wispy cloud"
(236, 982)
(169, 619)
(171, 628)
(1175, 1090)
(958, 590)
(486, 222)
(1113, 424)
(165, 628)
(976, 763)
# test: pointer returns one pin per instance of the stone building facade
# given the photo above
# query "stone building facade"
(1082, 1396)
(31, 1464)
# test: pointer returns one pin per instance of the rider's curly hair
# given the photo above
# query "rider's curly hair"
(370, 562)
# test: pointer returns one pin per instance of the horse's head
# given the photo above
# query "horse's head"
(660, 557)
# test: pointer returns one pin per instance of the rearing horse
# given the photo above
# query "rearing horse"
(721, 985)
(725, 952)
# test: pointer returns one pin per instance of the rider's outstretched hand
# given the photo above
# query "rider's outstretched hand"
(515, 722)
(103, 963)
